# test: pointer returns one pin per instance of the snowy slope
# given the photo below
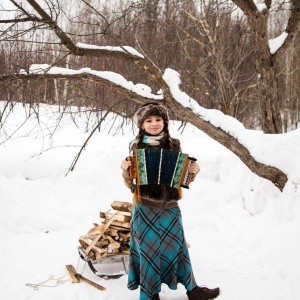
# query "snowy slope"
(243, 232)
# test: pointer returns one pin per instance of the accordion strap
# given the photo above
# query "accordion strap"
(132, 147)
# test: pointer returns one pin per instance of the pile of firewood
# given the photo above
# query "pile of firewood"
(112, 236)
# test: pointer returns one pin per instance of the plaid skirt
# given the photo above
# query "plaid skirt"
(158, 251)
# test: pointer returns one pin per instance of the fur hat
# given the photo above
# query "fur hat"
(150, 109)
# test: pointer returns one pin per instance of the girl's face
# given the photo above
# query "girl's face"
(153, 125)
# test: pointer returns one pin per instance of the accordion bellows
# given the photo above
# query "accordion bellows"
(161, 166)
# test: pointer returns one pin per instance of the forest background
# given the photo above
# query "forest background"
(209, 43)
(240, 58)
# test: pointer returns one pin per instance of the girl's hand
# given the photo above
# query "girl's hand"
(125, 164)
(194, 168)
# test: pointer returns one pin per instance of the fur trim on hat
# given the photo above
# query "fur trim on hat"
(150, 109)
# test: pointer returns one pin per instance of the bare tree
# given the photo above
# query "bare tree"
(223, 67)
(266, 60)
(154, 73)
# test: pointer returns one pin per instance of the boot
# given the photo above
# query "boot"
(203, 293)
(156, 297)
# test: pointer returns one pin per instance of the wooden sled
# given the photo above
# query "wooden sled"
(106, 246)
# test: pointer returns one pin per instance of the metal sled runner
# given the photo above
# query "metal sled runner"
(109, 267)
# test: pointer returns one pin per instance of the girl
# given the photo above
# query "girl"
(158, 251)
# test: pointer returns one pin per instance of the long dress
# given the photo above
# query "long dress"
(158, 251)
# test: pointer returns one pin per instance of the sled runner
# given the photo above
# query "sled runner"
(109, 267)
(105, 247)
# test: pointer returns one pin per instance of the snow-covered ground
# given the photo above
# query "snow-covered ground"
(244, 233)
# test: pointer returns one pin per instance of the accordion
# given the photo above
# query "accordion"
(160, 166)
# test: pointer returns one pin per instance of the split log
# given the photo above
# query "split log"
(102, 243)
(120, 228)
(118, 217)
(113, 242)
(105, 226)
(112, 237)
(124, 250)
(124, 213)
(96, 285)
(123, 238)
(91, 253)
(121, 224)
(71, 271)
(75, 278)
(112, 232)
(98, 250)
(96, 230)
(122, 206)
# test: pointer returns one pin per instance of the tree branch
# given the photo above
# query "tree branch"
(292, 26)
(82, 76)
(271, 173)
(247, 6)
(58, 31)
(268, 172)
(20, 20)
(87, 140)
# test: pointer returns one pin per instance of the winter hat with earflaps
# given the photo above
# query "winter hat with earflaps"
(150, 109)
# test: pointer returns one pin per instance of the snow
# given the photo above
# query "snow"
(139, 88)
(277, 42)
(243, 232)
(255, 143)
(172, 78)
(124, 49)
(261, 7)
(215, 117)
(260, 146)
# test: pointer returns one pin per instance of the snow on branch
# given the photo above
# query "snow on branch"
(115, 78)
(252, 145)
(171, 78)
(277, 42)
(261, 7)
(125, 49)
(213, 116)
(226, 129)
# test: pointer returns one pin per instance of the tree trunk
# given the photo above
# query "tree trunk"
(288, 91)
(271, 120)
